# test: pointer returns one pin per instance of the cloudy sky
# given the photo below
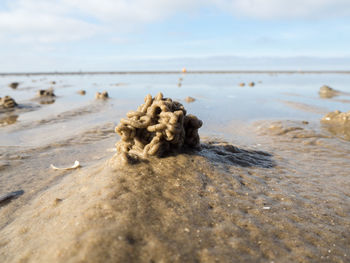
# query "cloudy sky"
(58, 35)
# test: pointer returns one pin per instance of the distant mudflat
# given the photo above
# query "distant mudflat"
(176, 72)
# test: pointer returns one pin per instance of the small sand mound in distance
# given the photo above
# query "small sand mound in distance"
(7, 102)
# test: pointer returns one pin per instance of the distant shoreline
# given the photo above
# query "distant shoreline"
(178, 72)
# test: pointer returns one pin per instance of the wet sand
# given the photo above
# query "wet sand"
(270, 183)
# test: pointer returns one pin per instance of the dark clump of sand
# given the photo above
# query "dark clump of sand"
(102, 95)
(14, 85)
(46, 93)
(81, 92)
(327, 92)
(7, 102)
(46, 96)
(338, 123)
(337, 117)
(190, 99)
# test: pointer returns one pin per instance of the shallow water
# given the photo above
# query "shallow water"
(270, 183)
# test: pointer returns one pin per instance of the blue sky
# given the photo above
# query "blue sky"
(47, 35)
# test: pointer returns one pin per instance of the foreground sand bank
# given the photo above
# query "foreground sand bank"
(221, 204)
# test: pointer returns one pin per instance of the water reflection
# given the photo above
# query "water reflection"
(328, 95)
(47, 100)
(8, 119)
(340, 131)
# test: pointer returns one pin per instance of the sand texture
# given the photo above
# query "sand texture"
(220, 204)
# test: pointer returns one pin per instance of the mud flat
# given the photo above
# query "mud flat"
(271, 187)
(217, 204)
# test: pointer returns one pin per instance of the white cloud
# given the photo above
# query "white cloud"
(133, 11)
(30, 21)
(48, 21)
(43, 28)
(290, 9)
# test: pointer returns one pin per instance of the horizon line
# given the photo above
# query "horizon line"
(175, 72)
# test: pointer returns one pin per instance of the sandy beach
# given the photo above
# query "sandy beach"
(269, 183)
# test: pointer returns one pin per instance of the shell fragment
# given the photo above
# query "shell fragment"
(74, 166)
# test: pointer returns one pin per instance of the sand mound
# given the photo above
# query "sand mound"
(327, 92)
(101, 95)
(194, 207)
(337, 117)
(169, 210)
(14, 85)
(7, 102)
(338, 123)
(46, 93)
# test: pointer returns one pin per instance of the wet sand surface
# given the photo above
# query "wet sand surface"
(270, 183)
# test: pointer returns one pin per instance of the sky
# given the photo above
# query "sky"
(98, 35)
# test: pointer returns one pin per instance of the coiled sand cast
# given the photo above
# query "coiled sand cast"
(157, 127)
(7, 102)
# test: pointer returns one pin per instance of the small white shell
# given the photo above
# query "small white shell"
(75, 165)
